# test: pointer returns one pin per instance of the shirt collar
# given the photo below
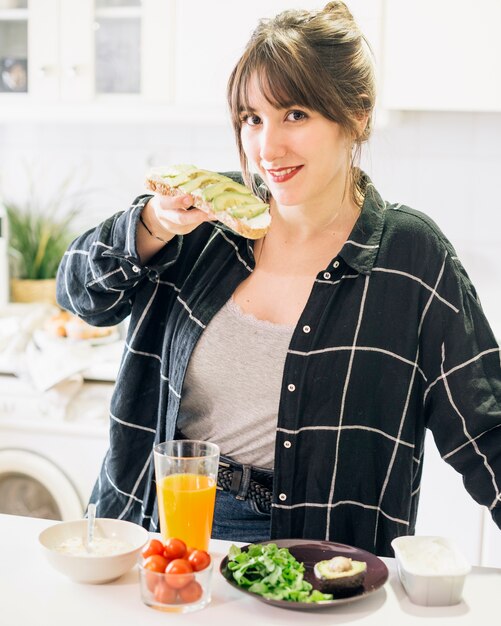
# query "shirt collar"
(362, 246)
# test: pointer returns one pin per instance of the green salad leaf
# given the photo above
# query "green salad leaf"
(273, 573)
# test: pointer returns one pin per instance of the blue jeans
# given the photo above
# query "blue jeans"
(239, 520)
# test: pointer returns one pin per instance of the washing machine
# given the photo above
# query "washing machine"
(50, 452)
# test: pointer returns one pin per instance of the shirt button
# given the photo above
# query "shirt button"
(306, 329)
(291, 387)
(153, 275)
(135, 269)
(282, 497)
(335, 264)
(287, 444)
(327, 275)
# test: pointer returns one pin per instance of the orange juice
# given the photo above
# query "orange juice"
(186, 508)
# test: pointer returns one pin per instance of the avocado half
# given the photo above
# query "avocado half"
(339, 574)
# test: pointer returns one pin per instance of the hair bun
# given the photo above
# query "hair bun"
(339, 9)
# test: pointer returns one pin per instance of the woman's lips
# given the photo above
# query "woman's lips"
(283, 174)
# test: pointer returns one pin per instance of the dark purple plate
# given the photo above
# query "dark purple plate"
(309, 552)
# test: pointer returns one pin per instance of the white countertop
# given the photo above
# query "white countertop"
(32, 592)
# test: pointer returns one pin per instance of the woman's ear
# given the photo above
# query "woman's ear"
(362, 116)
(361, 122)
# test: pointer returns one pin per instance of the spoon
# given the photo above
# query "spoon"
(91, 520)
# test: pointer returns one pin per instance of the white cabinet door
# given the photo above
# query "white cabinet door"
(158, 38)
(43, 47)
(76, 61)
(210, 37)
(442, 55)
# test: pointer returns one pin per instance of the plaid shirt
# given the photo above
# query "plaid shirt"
(392, 341)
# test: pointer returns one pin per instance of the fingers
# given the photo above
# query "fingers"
(174, 214)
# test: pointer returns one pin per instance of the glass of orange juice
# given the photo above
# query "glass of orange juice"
(186, 477)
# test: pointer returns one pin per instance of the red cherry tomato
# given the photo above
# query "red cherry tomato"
(191, 593)
(199, 559)
(174, 548)
(154, 546)
(178, 573)
(152, 579)
(164, 593)
(156, 563)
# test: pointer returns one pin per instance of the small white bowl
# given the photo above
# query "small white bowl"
(94, 568)
(431, 569)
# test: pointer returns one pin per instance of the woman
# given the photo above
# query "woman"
(317, 356)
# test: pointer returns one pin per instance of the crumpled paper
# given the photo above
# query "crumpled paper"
(50, 362)
(17, 325)
(28, 351)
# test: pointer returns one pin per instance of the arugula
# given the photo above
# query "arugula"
(273, 573)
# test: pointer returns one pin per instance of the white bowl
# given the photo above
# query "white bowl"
(94, 568)
(431, 569)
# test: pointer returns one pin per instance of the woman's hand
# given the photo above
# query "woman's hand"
(165, 217)
(172, 215)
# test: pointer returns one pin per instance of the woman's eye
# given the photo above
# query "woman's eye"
(251, 120)
(297, 116)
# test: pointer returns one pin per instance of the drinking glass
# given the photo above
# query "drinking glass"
(186, 477)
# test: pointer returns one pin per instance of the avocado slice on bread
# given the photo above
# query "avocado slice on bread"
(219, 196)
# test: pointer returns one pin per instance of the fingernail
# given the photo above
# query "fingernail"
(187, 202)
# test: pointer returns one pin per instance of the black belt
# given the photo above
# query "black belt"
(245, 481)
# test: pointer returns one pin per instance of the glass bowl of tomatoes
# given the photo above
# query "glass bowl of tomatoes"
(175, 577)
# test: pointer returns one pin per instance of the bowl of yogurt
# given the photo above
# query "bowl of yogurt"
(113, 551)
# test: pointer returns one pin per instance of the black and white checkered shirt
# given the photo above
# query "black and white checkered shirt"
(392, 340)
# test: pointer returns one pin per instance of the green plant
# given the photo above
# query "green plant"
(41, 230)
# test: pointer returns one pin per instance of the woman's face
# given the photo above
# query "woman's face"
(302, 156)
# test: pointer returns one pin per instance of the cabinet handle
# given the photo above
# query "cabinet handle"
(44, 70)
(72, 71)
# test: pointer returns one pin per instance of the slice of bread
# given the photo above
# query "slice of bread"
(219, 196)
(64, 324)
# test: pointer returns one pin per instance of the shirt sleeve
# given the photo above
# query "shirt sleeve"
(463, 396)
(101, 270)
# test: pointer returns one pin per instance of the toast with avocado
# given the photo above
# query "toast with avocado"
(219, 196)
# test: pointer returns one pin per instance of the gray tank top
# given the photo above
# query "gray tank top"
(232, 386)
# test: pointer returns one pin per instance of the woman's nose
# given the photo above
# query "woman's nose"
(272, 144)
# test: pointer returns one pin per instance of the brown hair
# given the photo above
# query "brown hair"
(316, 59)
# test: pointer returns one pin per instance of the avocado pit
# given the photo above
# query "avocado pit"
(339, 574)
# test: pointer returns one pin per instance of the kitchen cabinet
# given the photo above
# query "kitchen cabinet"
(442, 55)
(221, 31)
(86, 51)
(159, 60)
(13, 46)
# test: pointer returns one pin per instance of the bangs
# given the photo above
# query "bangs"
(287, 74)
(276, 84)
